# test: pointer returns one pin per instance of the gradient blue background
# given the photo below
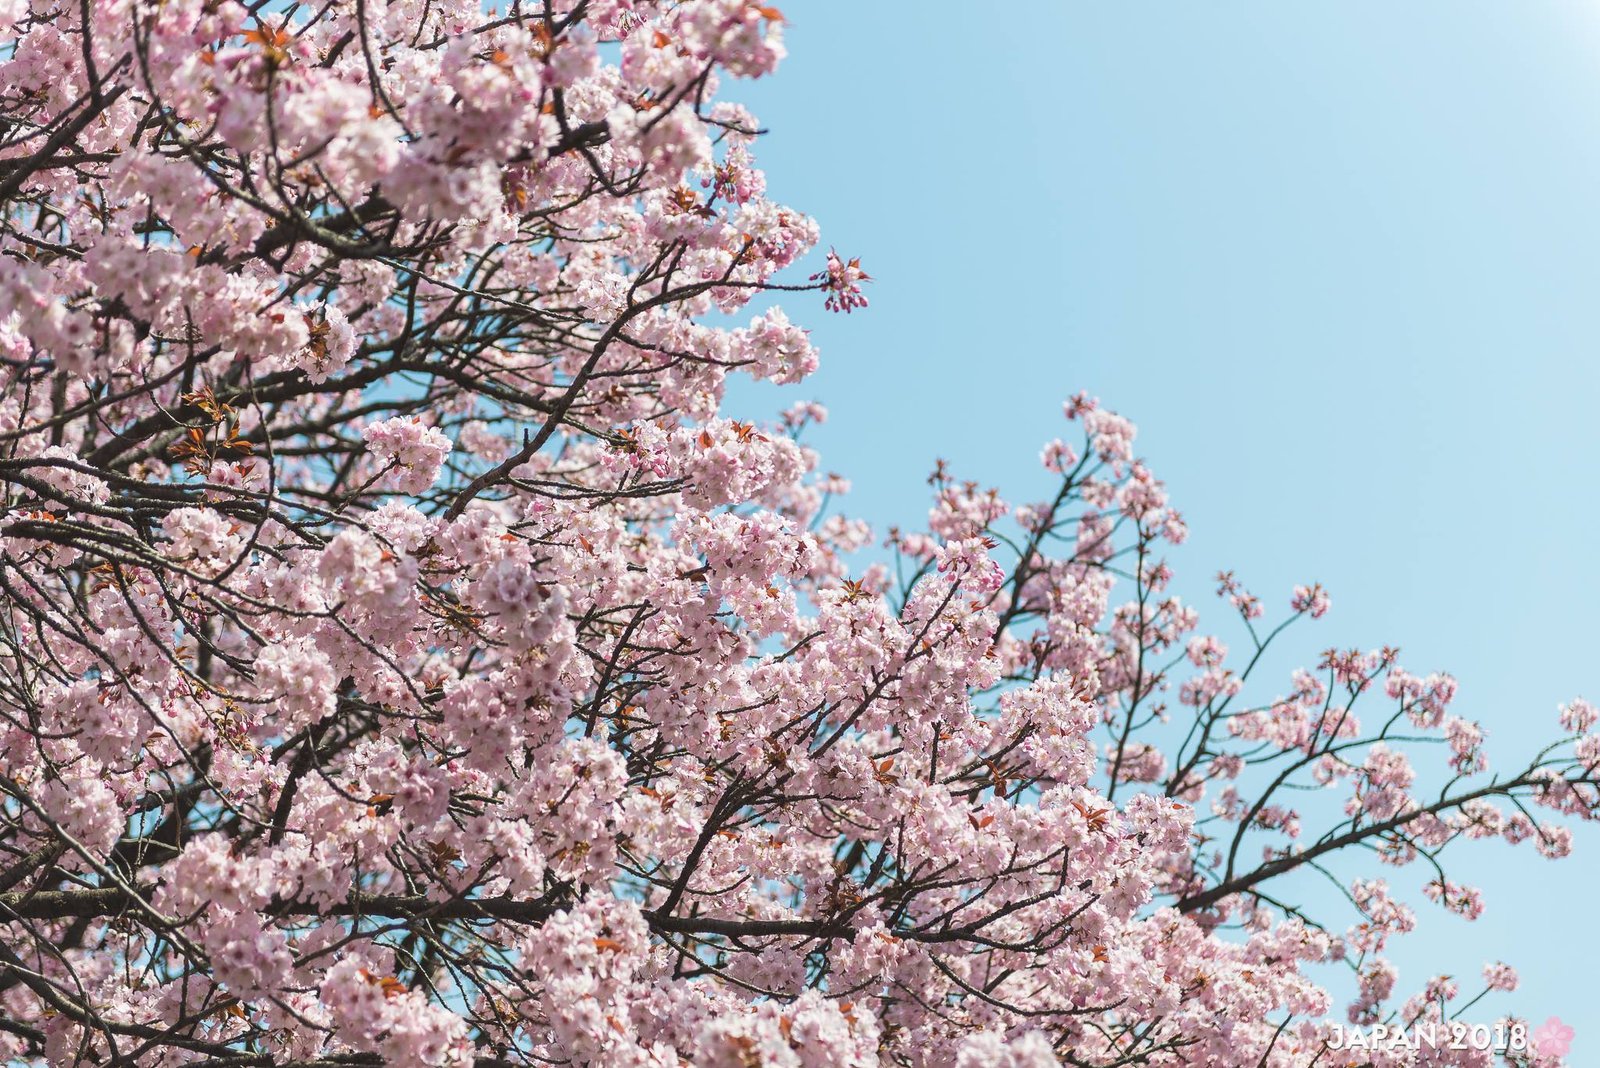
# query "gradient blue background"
(1341, 262)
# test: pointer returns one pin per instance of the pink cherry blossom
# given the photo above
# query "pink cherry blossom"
(406, 659)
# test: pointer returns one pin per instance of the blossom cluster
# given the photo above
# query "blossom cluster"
(405, 660)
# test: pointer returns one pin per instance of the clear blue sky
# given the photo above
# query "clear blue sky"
(1341, 262)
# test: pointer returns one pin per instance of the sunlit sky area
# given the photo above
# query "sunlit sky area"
(1341, 262)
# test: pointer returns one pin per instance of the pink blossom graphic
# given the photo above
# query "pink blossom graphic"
(1552, 1038)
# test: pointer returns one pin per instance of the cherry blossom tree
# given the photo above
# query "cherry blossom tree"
(403, 660)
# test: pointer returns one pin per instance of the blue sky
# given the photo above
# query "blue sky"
(1340, 262)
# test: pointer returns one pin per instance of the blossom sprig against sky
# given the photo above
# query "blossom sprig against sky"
(405, 659)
